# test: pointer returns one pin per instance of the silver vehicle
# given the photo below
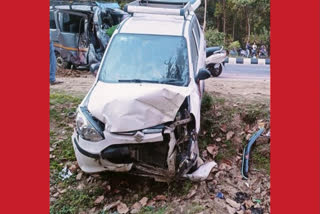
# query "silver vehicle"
(142, 114)
(80, 30)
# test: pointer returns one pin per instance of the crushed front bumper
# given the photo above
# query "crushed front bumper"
(153, 154)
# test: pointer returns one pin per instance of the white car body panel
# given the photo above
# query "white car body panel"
(125, 107)
(135, 106)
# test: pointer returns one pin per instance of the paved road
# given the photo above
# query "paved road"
(240, 71)
(245, 83)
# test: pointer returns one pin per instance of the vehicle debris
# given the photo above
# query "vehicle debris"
(202, 172)
(256, 210)
(246, 153)
(241, 197)
(220, 195)
(65, 173)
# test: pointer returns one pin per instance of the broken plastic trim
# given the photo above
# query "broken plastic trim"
(84, 152)
(90, 119)
(246, 152)
(202, 172)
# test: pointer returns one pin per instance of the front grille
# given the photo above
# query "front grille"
(154, 154)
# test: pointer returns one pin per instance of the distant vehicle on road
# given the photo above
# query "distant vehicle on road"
(215, 60)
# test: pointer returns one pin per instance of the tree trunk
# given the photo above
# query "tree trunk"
(224, 20)
(233, 26)
(205, 16)
(248, 23)
(248, 28)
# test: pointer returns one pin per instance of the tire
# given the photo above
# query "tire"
(61, 63)
(215, 72)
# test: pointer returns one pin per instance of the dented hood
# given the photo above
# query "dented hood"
(132, 106)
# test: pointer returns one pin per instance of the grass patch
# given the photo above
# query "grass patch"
(227, 152)
(206, 103)
(260, 161)
(255, 112)
(59, 98)
(194, 208)
(153, 210)
(72, 201)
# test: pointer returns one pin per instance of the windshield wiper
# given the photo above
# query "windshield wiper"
(171, 81)
(139, 81)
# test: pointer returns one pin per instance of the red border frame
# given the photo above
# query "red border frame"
(24, 153)
(295, 106)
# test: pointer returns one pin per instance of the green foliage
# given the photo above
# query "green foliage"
(238, 16)
(207, 102)
(235, 44)
(214, 37)
(152, 210)
(71, 201)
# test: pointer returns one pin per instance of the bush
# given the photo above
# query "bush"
(207, 102)
(214, 37)
(235, 44)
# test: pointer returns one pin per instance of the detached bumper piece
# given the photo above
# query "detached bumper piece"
(246, 154)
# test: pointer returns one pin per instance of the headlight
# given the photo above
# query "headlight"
(86, 127)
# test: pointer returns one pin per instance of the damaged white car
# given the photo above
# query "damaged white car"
(142, 115)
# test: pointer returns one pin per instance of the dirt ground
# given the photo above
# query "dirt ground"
(241, 90)
(232, 110)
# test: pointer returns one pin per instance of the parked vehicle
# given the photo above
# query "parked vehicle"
(215, 60)
(263, 52)
(79, 30)
(233, 52)
(243, 53)
(142, 114)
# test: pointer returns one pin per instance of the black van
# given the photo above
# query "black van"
(80, 30)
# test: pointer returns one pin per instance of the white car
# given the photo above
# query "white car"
(142, 114)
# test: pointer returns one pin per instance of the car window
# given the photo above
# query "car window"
(71, 23)
(146, 58)
(196, 29)
(52, 21)
(194, 52)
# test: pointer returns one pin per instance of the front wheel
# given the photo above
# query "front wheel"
(215, 69)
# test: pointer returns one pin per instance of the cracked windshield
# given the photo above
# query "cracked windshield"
(149, 58)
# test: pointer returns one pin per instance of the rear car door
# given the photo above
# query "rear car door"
(72, 37)
(53, 27)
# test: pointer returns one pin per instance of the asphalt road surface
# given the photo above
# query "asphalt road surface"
(240, 71)
(244, 83)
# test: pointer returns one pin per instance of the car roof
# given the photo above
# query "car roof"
(84, 6)
(154, 24)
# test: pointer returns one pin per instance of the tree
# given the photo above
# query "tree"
(205, 16)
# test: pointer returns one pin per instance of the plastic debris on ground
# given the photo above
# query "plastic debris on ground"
(241, 197)
(256, 210)
(220, 195)
(65, 173)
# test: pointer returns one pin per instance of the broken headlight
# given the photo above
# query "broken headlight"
(87, 127)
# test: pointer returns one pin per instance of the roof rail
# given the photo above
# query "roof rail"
(163, 7)
(72, 3)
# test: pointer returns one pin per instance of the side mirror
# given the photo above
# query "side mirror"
(94, 68)
(202, 74)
